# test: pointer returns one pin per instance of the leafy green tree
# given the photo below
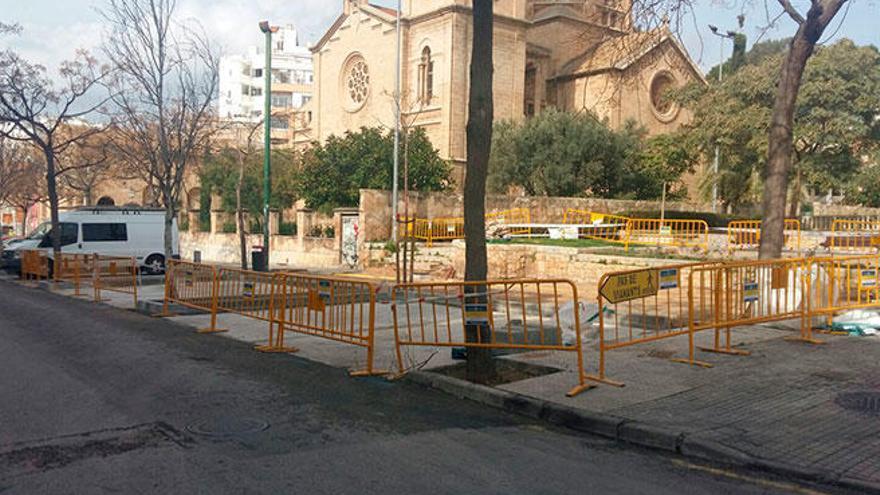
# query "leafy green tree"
(219, 175)
(563, 154)
(834, 120)
(333, 173)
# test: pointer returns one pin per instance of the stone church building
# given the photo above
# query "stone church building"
(570, 54)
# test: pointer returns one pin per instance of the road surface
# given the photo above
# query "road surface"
(95, 399)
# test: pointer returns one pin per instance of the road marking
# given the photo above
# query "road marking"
(778, 485)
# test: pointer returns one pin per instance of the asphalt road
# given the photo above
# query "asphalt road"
(95, 399)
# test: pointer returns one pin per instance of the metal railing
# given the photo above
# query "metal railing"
(503, 314)
(746, 234)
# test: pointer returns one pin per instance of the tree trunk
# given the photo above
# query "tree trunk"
(782, 121)
(239, 214)
(24, 218)
(480, 367)
(169, 224)
(52, 191)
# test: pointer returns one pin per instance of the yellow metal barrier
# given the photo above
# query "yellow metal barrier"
(507, 217)
(451, 228)
(854, 235)
(640, 306)
(745, 293)
(841, 283)
(34, 265)
(509, 314)
(677, 233)
(76, 269)
(115, 274)
(603, 227)
(746, 234)
(338, 309)
(251, 294)
(192, 285)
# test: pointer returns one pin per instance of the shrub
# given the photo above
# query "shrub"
(287, 228)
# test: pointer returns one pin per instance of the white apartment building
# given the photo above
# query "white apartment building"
(242, 81)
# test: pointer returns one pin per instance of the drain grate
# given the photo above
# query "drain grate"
(865, 402)
(228, 427)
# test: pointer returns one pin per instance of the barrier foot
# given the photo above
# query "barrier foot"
(275, 349)
(163, 315)
(830, 332)
(578, 389)
(809, 340)
(692, 362)
(369, 373)
(730, 352)
(212, 330)
(606, 381)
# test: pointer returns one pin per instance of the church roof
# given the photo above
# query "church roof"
(387, 10)
(620, 52)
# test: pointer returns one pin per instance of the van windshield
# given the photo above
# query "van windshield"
(40, 231)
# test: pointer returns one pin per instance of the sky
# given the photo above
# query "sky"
(54, 29)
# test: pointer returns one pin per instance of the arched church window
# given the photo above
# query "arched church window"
(426, 76)
(106, 201)
(664, 107)
(355, 83)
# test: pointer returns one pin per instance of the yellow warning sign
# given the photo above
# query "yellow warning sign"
(627, 286)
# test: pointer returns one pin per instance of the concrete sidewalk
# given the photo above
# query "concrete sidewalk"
(797, 409)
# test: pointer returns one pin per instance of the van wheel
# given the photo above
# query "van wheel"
(154, 264)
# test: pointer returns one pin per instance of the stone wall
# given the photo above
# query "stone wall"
(375, 208)
(515, 261)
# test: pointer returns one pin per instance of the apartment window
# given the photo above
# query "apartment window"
(245, 89)
(426, 77)
(255, 91)
(279, 122)
(280, 76)
(306, 99)
(104, 232)
(282, 100)
(258, 72)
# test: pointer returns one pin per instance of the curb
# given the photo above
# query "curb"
(627, 431)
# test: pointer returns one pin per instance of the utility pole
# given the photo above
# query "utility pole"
(267, 137)
(394, 219)
(729, 35)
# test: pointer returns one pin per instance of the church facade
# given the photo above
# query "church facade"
(574, 55)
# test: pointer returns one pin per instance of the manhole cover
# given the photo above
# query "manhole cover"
(863, 402)
(227, 427)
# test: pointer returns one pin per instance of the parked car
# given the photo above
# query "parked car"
(112, 231)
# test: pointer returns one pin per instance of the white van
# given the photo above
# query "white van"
(138, 232)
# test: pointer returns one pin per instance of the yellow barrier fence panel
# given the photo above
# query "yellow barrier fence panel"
(640, 306)
(193, 285)
(836, 284)
(743, 293)
(854, 235)
(34, 265)
(602, 226)
(338, 309)
(512, 216)
(508, 314)
(254, 295)
(76, 269)
(675, 233)
(445, 229)
(115, 274)
(746, 234)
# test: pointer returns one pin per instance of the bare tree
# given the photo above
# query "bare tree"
(33, 110)
(245, 133)
(480, 367)
(29, 187)
(12, 167)
(779, 152)
(93, 167)
(167, 77)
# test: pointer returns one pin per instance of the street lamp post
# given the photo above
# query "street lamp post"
(396, 155)
(267, 141)
(728, 35)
